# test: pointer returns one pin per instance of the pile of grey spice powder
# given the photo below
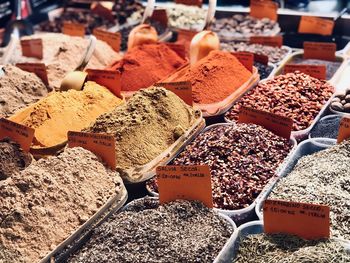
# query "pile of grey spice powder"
(180, 231)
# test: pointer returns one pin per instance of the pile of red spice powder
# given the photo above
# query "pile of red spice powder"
(146, 64)
(215, 77)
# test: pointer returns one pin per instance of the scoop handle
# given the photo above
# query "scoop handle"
(210, 14)
(148, 11)
(88, 54)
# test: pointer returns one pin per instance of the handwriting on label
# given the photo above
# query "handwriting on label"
(32, 48)
(246, 58)
(73, 29)
(183, 89)
(274, 41)
(316, 25)
(279, 125)
(161, 16)
(320, 50)
(112, 39)
(309, 221)
(185, 182)
(344, 130)
(102, 145)
(316, 71)
(190, 2)
(261, 9)
(38, 69)
(21, 134)
(110, 79)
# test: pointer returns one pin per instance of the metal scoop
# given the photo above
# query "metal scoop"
(75, 79)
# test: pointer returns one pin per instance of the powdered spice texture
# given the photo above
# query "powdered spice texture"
(215, 77)
(60, 112)
(146, 64)
(42, 205)
(19, 89)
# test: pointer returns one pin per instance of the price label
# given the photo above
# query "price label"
(185, 35)
(316, 71)
(319, 50)
(263, 9)
(103, 11)
(261, 59)
(160, 15)
(73, 29)
(182, 89)
(21, 134)
(309, 221)
(316, 25)
(274, 41)
(32, 48)
(190, 2)
(112, 39)
(179, 49)
(246, 58)
(344, 130)
(279, 125)
(111, 79)
(102, 145)
(38, 69)
(185, 182)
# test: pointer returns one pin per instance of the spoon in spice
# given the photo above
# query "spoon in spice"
(75, 79)
(204, 42)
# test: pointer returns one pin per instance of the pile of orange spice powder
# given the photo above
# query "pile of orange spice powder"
(214, 77)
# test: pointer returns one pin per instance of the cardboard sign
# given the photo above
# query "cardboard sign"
(344, 130)
(185, 182)
(279, 125)
(190, 2)
(274, 41)
(316, 25)
(316, 71)
(262, 9)
(111, 79)
(102, 145)
(160, 15)
(38, 69)
(73, 29)
(32, 48)
(319, 50)
(185, 35)
(246, 58)
(103, 11)
(112, 39)
(309, 221)
(21, 134)
(182, 89)
(261, 59)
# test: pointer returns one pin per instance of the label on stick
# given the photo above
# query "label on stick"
(263, 9)
(319, 50)
(32, 48)
(110, 79)
(309, 221)
(316, 25)
(274, 41)
(185, 35)
(180, 49)
(21, 134)
(261, 59)
(103, 145)
(183, 89)
(246, 58)
(316, 71)
(112, 39)
(38, 69)
(190, 2)
(191, 182)
(279, 125)
(160, 15)
(344, 130)
(73, 29)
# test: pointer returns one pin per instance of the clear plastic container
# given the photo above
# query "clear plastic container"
(306, 147)
(244, 214)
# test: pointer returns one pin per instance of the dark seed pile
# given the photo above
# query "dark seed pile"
(180, 231)
(263, 70)
(242, 159)
(327, 127)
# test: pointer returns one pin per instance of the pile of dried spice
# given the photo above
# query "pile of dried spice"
(279, 248)
(294, 95)
(180, 231)
(242, 159)
(214, 77)
(322, 178)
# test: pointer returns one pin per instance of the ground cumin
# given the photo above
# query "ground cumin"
(146, 64)
(60, 112)
(215, 77)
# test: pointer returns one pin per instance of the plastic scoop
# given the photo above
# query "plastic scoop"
(204, 42)
(75, 79)
(143, 33)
